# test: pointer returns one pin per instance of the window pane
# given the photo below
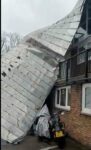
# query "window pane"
(89, 12)
(88, 97)
(89, 55)
(83, 19)
(58, 96)
(89, 26)
(69, 67)
(69, 96)
(81, 58)
(63, 70)
(63, 97)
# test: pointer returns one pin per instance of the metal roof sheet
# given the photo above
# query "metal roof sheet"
(29, 73)
(58, 36)
(27, 79)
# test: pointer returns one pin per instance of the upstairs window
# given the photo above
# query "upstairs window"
(63, 70)
(86, 98)
(63, 98)
(86, 17)
(81, 57)
(89, 18)
(89, 56)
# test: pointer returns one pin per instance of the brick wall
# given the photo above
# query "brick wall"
(77, 125)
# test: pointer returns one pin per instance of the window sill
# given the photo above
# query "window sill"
(85, 113)
(63, 108)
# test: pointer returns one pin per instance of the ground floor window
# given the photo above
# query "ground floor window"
(63, 98)
(86, 98)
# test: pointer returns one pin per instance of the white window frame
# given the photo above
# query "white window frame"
(84, 109)
(66, 107)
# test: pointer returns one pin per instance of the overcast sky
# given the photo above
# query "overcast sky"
(25, 16)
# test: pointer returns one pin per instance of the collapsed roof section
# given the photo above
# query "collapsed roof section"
(27, 79)
(29, 72)
(59, 36)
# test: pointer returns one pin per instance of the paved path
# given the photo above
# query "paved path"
(32, 143)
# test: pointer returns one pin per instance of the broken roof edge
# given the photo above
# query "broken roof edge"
(44, 48)
(34, 33)
(34, 42)
(42, 37)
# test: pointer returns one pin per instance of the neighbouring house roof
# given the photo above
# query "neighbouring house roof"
(29, 72)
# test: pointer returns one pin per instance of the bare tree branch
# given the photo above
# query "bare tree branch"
(8, 41)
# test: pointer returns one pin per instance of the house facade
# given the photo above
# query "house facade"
(29, 72)
(73, 87)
